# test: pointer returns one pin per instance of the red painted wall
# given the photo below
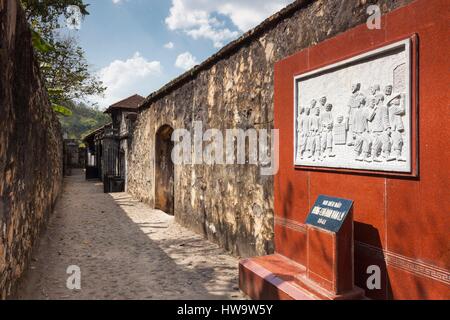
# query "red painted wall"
(401, 223)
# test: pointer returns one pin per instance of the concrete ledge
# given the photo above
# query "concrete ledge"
(271, 278)
(276, 277)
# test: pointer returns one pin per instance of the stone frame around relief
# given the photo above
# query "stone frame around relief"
(378, 160)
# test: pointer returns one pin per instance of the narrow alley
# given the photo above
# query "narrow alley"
(197, 151)
(125, 250)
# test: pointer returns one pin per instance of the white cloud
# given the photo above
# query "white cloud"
(186, 61)
(246, 15)
(218, 36)
(169, 45)
(125, 78)
(200, 18)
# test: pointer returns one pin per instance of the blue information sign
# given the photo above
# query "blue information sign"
(329, 213)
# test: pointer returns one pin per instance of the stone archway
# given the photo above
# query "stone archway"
(164, 170)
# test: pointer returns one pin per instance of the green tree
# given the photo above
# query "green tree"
(63, 64)
(83, 120)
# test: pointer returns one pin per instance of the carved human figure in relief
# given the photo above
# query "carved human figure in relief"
(360, 127)
(303, 130)
(381, 132)
(374, 90)
(340, 131)
(352, 106)
(314, 135)
(371, 108)
(323, 103)
(307, 140)
(397, 111)
(300, 129)
(326, 121)
(388, 91)
(313, 106)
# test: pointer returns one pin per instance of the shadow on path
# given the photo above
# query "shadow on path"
(125, 250)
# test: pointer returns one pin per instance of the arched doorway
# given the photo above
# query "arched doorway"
(164, 170)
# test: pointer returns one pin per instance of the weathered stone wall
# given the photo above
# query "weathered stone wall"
(30, 147)
(233, 205)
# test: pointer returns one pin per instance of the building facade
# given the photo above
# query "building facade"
(397, 226)
(107, 147)
(232, 205)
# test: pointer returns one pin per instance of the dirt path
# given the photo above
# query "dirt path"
(125, 250)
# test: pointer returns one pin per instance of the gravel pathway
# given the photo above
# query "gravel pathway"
(125, 250)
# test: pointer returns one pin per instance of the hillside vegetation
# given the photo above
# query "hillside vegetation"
(83, 120)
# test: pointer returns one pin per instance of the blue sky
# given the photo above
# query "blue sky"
(136, 46)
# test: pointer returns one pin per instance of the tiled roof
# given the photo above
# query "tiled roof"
(93, 133)
(132, 102)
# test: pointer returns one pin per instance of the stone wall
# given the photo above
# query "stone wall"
(233, 205)
(30, 148)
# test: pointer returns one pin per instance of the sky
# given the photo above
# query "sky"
(137, 46)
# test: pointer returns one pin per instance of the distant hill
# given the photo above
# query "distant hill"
(83, 120)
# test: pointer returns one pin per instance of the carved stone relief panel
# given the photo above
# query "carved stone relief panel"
(356, 114)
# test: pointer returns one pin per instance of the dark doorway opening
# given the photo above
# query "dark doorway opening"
(164, 170)
(122, 163)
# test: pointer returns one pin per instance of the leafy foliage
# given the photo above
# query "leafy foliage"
(49, 10)
(39, 43)
(84, 119)
(62, 110)
(67, 74)
(63, 65)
